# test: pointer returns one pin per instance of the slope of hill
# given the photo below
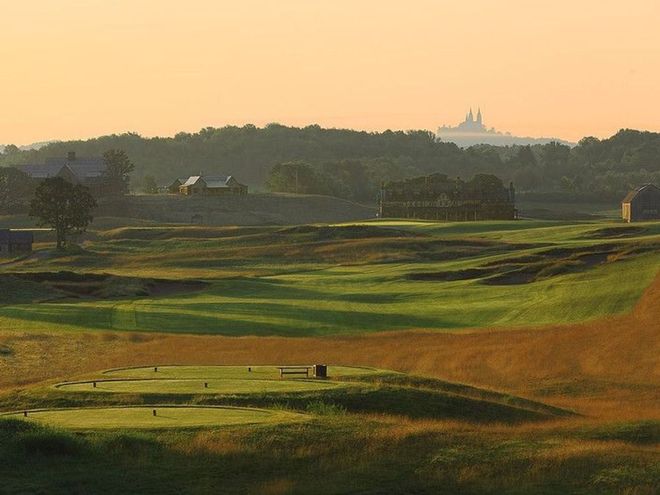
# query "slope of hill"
(253, 209)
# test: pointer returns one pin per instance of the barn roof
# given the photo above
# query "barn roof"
(41, 170)
(11, 236)
(211, 181)
(633, 194)
(192, 180)
(83, 168)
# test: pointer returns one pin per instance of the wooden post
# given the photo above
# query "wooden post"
(25, 414)
(206, 384)
(154, 412)
(94, 384)
(249, 369)
(155, 369)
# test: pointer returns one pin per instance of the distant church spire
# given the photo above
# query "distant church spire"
(479, 118)
(470, 116)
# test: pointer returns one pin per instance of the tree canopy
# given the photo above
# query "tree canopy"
(63, 206)
(352, 164)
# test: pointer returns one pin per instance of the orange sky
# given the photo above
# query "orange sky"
(82, 68)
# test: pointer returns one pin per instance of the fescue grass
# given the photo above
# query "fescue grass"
(336, 453)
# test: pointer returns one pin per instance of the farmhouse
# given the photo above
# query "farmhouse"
(436, 197)
(641, 204)
(13, 242)
(88, 171)
(210, 185)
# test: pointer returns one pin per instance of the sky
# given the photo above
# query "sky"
(82, 68)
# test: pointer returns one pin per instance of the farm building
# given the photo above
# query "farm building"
(89, 171)
(176, 184)
(436, 197)
(13, 242)
(641, 204)
(212, 186)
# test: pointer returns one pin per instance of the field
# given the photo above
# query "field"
(481, 358)
(349, 279)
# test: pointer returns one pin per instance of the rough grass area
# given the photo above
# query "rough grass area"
(335, 453)
(44, 286)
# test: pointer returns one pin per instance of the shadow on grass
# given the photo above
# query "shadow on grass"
(228, 318)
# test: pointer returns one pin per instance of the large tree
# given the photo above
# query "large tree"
(118, 168)
(63, 206)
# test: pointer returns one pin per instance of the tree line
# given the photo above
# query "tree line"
(352, 164)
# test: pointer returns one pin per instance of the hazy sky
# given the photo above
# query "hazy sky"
(82, 68)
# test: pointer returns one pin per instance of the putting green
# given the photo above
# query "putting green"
(225, 372)
(166, 417)
(197, 386)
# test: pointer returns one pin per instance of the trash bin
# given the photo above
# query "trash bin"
(320, 371)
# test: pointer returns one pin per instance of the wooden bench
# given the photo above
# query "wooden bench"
(294, 370)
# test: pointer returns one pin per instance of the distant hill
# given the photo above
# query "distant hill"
(27, 147)
(353, 164)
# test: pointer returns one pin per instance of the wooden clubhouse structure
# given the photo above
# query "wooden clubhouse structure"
(437, 197)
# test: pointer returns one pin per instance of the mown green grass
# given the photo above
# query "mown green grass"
(291, 285)
(93, 418)
(198, 386)
(230, 372)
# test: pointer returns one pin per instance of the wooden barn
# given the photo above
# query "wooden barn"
(641, 204)
(212, 186)
(14, 242)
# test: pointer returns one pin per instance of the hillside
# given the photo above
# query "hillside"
(253, 209)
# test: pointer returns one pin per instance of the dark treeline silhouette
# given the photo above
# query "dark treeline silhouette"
(352, 164)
